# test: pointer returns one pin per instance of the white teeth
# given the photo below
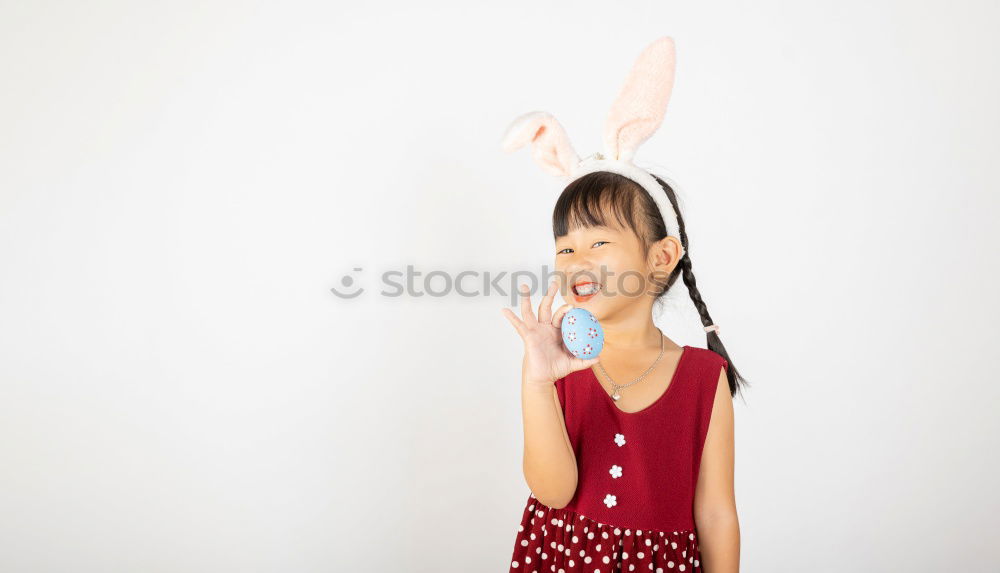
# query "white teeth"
(584, 290)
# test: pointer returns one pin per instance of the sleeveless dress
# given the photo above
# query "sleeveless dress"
(633, 509)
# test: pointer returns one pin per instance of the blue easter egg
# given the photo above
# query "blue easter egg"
(582, 334)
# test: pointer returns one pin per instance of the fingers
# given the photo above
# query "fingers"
(545, 308)
(558, 316)
(513, 319)
(527, 314)
(580, 363)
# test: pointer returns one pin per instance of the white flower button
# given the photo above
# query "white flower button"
(620, 439)
(616, 471)
(610, 500)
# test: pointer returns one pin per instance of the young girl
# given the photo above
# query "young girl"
(629, 456)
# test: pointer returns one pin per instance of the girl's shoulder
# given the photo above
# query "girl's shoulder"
(709, 358)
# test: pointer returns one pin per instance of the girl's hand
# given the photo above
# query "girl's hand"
(545, 358)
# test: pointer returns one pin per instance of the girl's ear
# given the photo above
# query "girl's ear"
(640, 106)
(665, 254)
(550, 146)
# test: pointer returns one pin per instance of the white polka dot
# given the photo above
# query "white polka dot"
(691, 536)
(524, 543)
(695, 562)
(607, 559)
(648, 542)
(527, 560)
(680, 567)
(670, 564)
(618, 531)
(587, 559)
(639, 555)
(576, 539)
(515, 564)
(598, 547)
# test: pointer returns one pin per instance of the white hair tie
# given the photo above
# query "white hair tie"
(712, 327)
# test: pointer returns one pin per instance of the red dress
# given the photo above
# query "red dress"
(633, 509)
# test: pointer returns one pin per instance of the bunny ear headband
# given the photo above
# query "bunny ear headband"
(634, 116)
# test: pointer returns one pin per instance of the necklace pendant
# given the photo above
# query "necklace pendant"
(616, 396)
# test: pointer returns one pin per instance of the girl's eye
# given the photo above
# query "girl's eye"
(569, 249)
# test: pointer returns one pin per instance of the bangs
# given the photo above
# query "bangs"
(603, 199)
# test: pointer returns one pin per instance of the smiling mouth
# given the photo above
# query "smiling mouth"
(585, 290)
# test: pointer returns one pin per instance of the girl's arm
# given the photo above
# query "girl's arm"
(549, 460)
(714, 499)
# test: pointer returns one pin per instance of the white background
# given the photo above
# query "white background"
(182, 183)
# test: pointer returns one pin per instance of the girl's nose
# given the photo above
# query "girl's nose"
(580, 268)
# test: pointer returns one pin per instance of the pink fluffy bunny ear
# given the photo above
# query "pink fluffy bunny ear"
(639, 109)
(550, 146)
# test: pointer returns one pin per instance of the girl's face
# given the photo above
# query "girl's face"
(603, 269)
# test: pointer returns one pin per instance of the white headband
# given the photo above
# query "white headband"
(636, 114)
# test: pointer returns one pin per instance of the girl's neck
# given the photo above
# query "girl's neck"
(618, 338)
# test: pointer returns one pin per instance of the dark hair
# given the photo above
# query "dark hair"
(608, 199)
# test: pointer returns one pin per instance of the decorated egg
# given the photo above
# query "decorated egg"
(582, 334)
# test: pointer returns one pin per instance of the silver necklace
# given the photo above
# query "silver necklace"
(616, 387)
